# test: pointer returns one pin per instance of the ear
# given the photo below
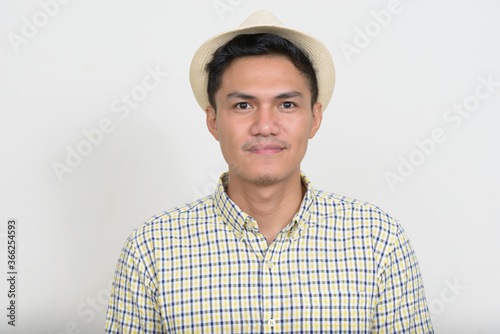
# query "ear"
(212, 122)
(317, 115)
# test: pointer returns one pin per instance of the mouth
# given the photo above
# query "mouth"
(266, 149)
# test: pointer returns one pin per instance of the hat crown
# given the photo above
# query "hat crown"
(262, 17)
(264, 21)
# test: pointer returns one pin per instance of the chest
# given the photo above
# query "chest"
(229, 284)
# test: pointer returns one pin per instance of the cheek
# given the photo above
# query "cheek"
(224, 134)
(300, 129)
(231, 129)
(228, 138)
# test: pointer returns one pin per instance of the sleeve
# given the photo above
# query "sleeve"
(132, 306)
(402, 306)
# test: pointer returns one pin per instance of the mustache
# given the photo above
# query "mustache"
(271, 140)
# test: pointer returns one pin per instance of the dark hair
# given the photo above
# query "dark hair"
(257, 45)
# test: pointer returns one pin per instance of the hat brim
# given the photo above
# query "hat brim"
(316, 51)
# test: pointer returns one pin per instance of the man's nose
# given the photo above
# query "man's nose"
(266, 122)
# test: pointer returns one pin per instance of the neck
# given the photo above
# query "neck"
(272, 205)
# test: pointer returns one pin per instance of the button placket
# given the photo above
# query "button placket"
(267, 291)
(270, 265)
(271, 284)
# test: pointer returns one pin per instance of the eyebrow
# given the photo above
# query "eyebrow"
(240, 95)
(289, 94)
(285, 95)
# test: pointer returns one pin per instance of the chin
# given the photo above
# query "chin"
(265, 179)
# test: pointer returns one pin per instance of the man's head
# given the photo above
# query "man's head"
(268, 83)
(262, 44)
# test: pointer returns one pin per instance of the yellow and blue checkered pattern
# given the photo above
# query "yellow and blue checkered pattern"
(341, 266)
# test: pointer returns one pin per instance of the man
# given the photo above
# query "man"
(267, 252)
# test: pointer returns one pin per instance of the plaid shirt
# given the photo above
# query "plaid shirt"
(340, 266)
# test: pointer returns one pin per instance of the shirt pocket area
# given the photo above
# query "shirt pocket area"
(337, 309)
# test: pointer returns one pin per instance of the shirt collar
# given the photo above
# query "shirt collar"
(230, 212)
(233, 216)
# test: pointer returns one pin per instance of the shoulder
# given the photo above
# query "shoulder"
(331, 204)
(176, 221)
(362, 224)
(341, 212)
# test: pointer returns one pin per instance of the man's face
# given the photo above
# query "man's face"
(264, 119)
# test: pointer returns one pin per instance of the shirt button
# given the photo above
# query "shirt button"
(270, 265)
(271, 323)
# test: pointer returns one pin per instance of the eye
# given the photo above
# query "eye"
(242, 105)
(288, 105)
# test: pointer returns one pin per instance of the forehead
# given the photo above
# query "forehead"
(262, 71)
(257, 61)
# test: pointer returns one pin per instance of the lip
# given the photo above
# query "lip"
(265, 149)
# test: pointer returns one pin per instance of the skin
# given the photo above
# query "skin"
(263, 123)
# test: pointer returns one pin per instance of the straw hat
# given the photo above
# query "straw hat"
(265, 22)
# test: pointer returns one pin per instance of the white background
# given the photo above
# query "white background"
(65, 75)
